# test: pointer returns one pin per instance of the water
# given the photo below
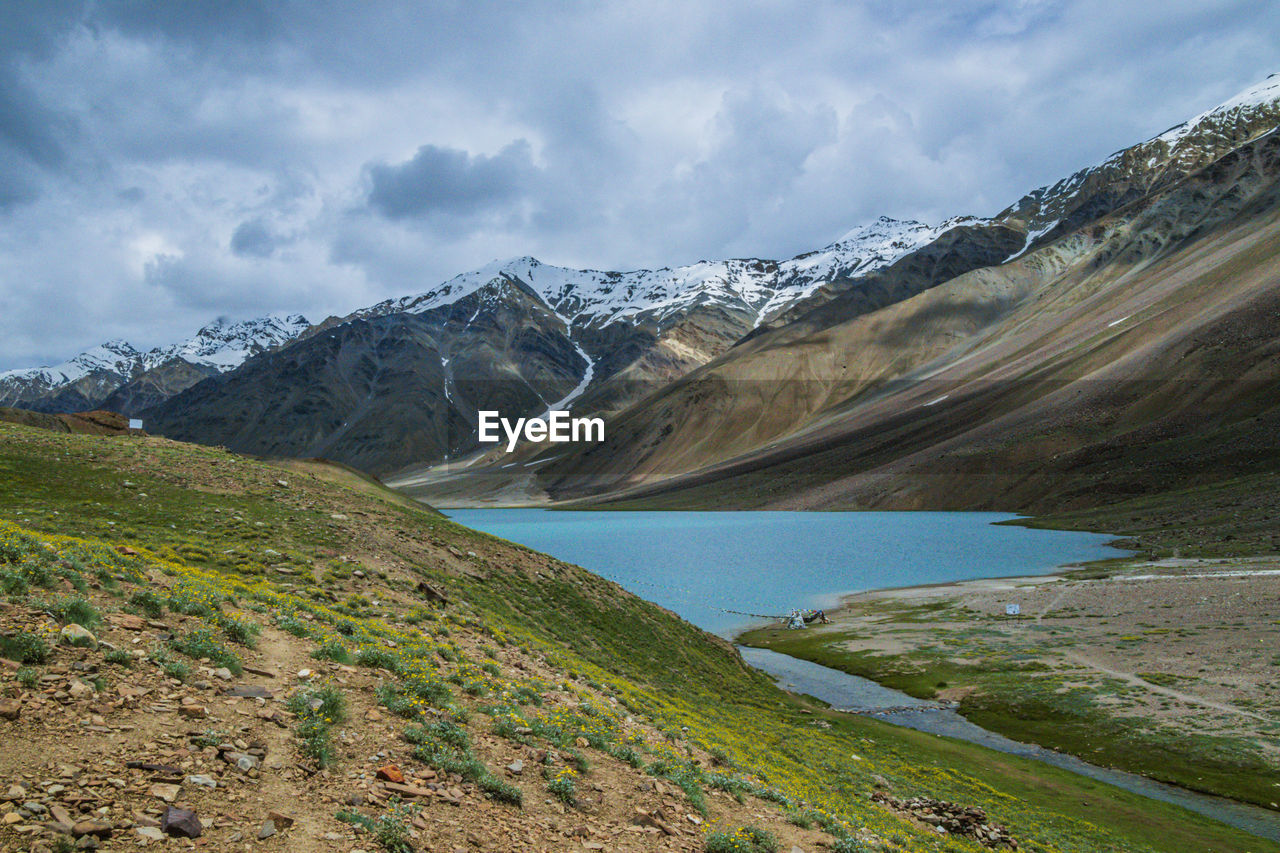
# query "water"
(703, 564)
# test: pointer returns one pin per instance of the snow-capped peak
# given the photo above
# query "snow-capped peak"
(1260, 95)
(224, 344)
(759, 288)
(114, 356)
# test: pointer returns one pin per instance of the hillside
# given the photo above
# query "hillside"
(272, 650)
(1130, 357)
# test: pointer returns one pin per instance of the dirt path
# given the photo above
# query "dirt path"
(1067, 589)
(1138, 681)
(275, 791)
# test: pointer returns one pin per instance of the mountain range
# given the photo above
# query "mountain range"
(118, 376)
(1087, 331)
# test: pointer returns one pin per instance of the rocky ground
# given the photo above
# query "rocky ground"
(119, 755)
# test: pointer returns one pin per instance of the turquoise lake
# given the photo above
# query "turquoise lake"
(702, 564)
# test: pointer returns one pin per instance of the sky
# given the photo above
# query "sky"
(163, 164)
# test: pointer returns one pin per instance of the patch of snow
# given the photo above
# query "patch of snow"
(1118, 322)
(448, 379)
(587, 375)
(936, 400)
(1033, 235)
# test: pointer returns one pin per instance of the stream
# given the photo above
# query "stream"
(844, 692)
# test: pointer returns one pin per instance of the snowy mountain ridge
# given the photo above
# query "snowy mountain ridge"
(761, 288)
(225, 345)
(1051, 210)
(222, 345)
(116, 356)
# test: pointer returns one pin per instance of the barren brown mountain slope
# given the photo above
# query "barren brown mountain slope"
(1135, 355)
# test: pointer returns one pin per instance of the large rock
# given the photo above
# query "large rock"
(181, 823)
(391, 773)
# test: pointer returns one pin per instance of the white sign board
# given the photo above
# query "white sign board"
(135, 423)
(1012, 609)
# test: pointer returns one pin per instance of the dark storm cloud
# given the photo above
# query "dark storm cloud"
(162, 162)
(449, 181)
(252, 239)
(243, 22)
(33, 135)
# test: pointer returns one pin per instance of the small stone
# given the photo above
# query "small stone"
(391, 773)
(98, 829)
(181, 823)
(128, 621)
(151, 833)
(280, 819)
(304, 673)
(61, 817)
(203, 781)
(194, 712)
(10, 709)
(249, 691)
(80, 689)
(76, 635)
(516, 767)
(268, 829)
(165, 792)
(222, 673)
(11, 818)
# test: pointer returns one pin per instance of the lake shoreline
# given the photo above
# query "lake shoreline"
(1091, 647)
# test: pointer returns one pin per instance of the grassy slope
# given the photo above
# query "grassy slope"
(1235, 517)
(212, 516)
